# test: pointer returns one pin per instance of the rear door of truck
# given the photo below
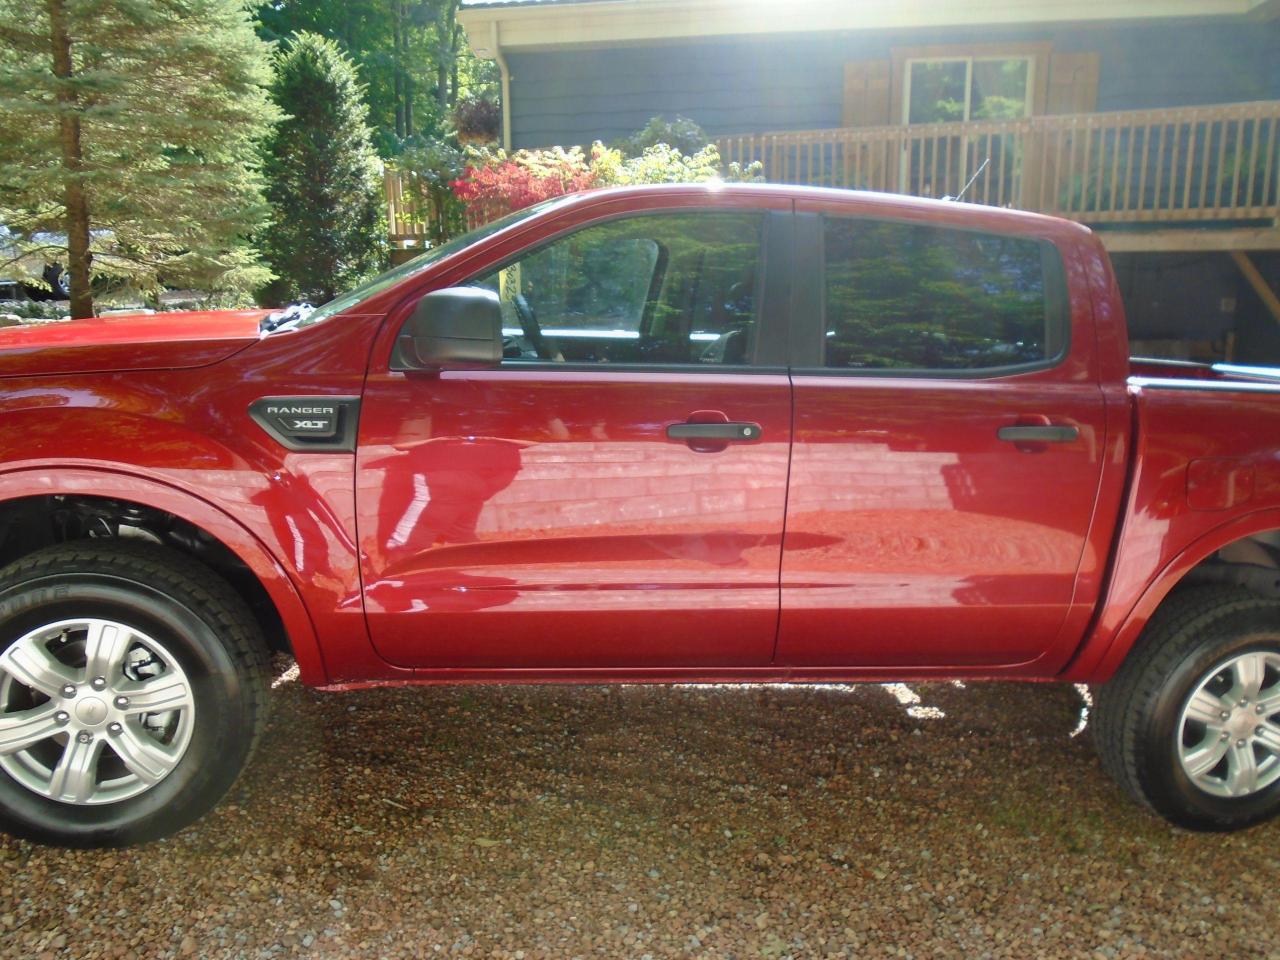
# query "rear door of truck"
(948, 440)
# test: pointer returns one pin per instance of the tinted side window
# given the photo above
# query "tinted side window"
(663, 288)
(913, 296)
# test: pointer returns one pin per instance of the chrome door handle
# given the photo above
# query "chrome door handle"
(1038, 434)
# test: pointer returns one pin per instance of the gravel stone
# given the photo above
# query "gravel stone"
(669, 822)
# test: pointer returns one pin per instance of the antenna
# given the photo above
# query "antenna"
(976, 174)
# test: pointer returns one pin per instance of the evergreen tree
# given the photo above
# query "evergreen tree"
(411, 55)
(327, 228)
(131, 138)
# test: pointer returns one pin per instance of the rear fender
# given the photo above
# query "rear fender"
(1118, 631)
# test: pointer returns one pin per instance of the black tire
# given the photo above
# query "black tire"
(1137, 714)
(201, 622)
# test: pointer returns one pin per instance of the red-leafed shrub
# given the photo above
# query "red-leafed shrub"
(499, 183)
(495, 183)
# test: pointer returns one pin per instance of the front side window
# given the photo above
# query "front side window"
(902, 296)
(672, 288)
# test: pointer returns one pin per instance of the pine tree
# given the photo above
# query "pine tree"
(131, 132)
(411, 55)
(327, 228)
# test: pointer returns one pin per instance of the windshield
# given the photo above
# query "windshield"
(416, 265)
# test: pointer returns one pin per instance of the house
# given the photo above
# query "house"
(1156, 122)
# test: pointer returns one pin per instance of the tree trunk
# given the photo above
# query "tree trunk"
(446, 52)
(453, 60)
(442, 79)
(397, 70)
(408, 95)
(404, 33)
(77, 204)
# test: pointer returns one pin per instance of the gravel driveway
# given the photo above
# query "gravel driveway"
(932, 820)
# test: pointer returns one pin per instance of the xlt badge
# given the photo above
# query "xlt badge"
(305, 419)
(309, 423)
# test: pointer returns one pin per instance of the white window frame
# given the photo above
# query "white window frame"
(1028, 101)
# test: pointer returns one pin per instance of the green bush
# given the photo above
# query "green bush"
(327, 230)
(660, 163)
(436, 163)
(681, 133)
(34, 309)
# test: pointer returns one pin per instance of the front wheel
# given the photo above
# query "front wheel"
(131, 692)
(1190, 724)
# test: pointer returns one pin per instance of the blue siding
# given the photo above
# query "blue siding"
(795, 82)
(580, 96)
(1182, 66)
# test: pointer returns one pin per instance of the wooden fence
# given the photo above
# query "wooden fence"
(408, 212)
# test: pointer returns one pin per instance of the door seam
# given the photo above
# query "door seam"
(786, 500)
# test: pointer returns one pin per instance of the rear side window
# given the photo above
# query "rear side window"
(903, 296)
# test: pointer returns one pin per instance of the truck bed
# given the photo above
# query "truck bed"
(1186, 373)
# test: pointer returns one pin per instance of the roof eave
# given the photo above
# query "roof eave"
(554, 25)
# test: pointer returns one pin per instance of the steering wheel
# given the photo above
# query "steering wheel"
(532, 332)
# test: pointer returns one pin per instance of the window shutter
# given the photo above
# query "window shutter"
(866, 93)
(1073, 83)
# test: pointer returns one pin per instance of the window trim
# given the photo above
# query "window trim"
(774, 262)
(810, 340)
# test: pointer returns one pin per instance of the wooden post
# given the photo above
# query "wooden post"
(1258, 282)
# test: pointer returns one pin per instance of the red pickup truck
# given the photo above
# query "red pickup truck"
(681, 433)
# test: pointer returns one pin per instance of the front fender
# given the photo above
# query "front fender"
(53, 478)
(184, 440)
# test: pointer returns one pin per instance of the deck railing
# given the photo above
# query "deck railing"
(1187, 164)
(1207, 163)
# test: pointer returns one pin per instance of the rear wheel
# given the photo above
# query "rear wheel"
(1190, 724)
(132, 687)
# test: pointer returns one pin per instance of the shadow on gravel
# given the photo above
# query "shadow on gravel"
(929, 820)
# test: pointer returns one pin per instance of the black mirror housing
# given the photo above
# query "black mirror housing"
(456, 326)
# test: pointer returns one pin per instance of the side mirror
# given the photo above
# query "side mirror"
(457, 326)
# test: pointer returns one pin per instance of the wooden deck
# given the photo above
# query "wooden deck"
(1143, 177)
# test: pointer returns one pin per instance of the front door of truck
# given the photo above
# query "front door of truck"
(613, 494)
(948, 447)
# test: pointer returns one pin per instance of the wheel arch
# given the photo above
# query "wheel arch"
(228, 533)
(1116, 631)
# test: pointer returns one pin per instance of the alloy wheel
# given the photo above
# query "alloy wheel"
(1229, 731)
(92, 711)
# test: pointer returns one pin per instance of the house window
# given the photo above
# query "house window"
(954, 89)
